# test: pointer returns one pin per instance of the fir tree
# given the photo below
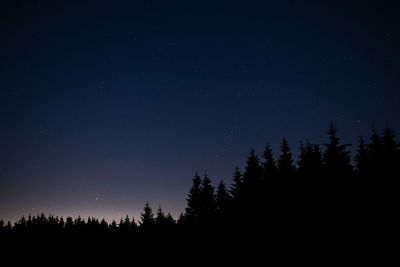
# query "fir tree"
(286, 169)
(269, 166)
(362, 159)
(207, 198)
(336, 158)
(253, 173)
(310, 164)
(147, 217)
(160, 217)
(222, 197)
(237, 186)
(193, 200)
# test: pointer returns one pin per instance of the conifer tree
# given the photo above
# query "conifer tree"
(336, 158)
(147, 217)
(207, 198)
(286, 169)
(193, 200)
(103, 225)
(113, 226)
(237, 186)
(269, 166)
(253, 172)
(362, 159)
(222, 197)
(310, 164)
(160, 217)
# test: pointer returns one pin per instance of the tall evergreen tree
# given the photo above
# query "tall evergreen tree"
(147, 217)
(286, 169)
(269, 166)
(310, 164)
(133, 226)
(207, 198)
(222, 197)
(253, 173)
(237, 186)
(193, 200)
(362, 159)
(336, 157)
(69, 224)
(103, 225)
(160, 217)
(113, 226)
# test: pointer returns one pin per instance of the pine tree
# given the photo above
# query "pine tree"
(310, 164)
(252, 176)
(133, 226)
(193, 200)
(147, 217)
(286, 169)
(336, 158)
(103, 225)
(160, 217)
(237, 186)
(362, 159)
(125, 225)
(169, 220)
(207, 198)
(222, 198)
(113, 226)
(269, 166)
(69, 224)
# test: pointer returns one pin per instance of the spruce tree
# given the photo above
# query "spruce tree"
(253, 173)
(362, 159)
(269, 166)
(310, 164)
(222, 198)
(336, 158)
(237, 186)
(193, 200)
(207, 198)
(147, 217)
(286, 169)
(160, 217)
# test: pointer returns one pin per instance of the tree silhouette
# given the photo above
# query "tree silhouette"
(207, 198)
(310, 164)
(336, 158)
(286, 169)
(147, 217)
(320, 194)
(237, 185)
(362, 159)
(160, 217)
(269, 166)
(253, 174)
(193, 200)
(222, 198)
(103, 225)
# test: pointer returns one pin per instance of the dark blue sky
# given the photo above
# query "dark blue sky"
(107, 104)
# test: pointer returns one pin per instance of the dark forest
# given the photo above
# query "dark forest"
(323, 192)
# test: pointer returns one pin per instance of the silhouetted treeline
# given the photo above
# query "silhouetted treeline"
(322, 191)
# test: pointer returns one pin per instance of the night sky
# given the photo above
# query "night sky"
(105, 105)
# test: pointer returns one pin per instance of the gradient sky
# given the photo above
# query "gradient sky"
(107, 104)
